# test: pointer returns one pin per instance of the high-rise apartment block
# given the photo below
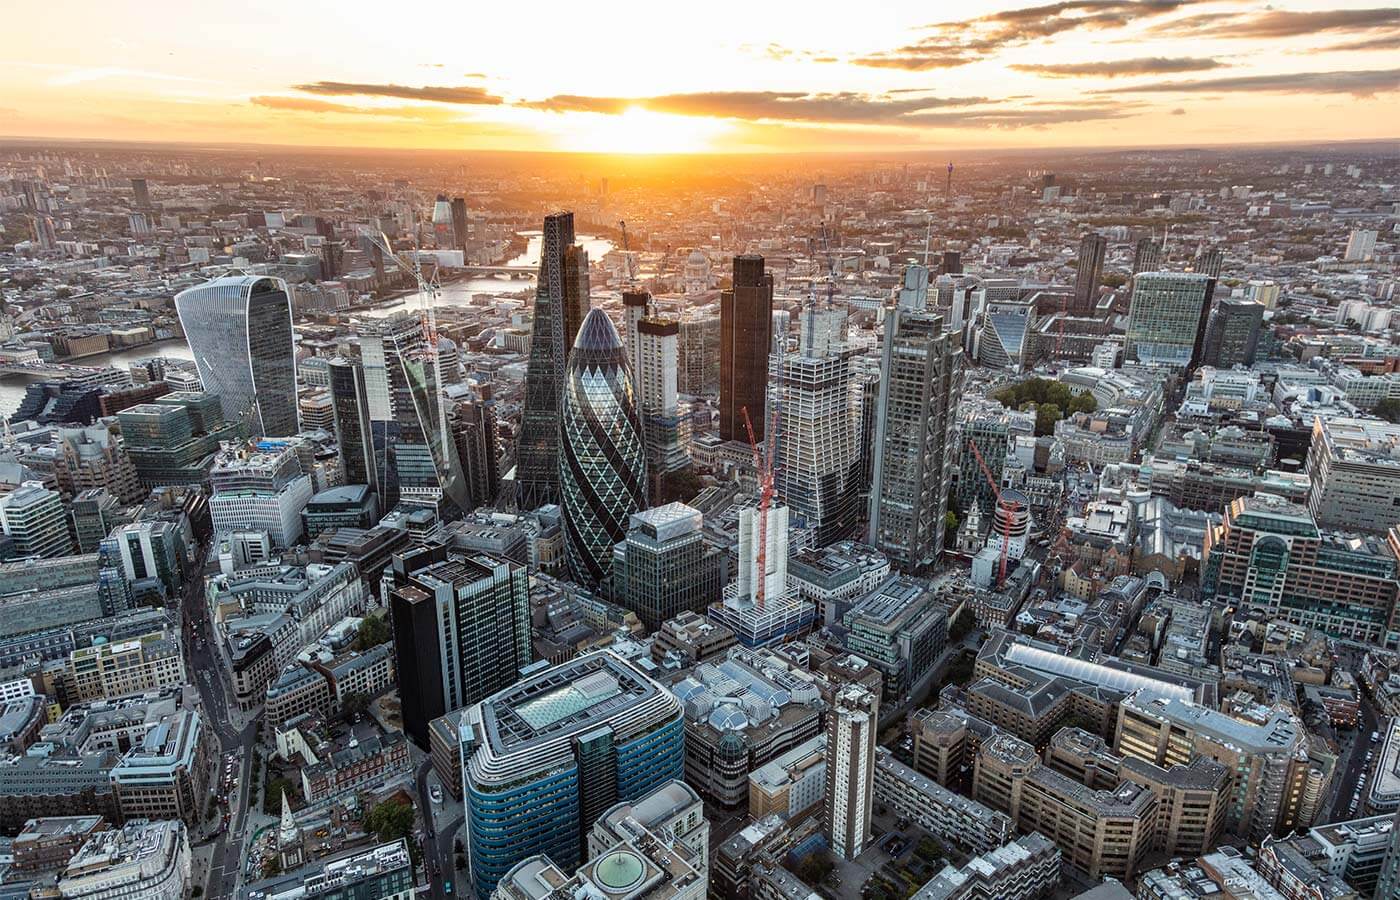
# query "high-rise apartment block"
(1361, 245)
(746, 337)
(240, 331)
(1088, 273)
(914, 441)
(852, 726)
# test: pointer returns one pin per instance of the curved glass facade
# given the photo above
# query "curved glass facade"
(602, 472)
(240, 332)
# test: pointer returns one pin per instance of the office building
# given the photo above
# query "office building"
(1232, 333)
(742, 711)
(852, 726)
(421, 464)
(141, 193)
(817, 460)
(260, 490)
(602, 469)
(462, 632)
(174, 440)
(759, 606)
(240, 332)
(114, 669)
(94, 512)
(553, 753)
(746, 337)
(141, 859)
(793, 785)
(474, 429)
(664, 567)
(901, 629)
(150, 555)
(33, 519)
(385, 872)
(1004, 334)
(654, 849)
(914, 442)
(1354, 466)
(1167, 317)
(561, 301)
(1269, 553)
(93, 457)
(1088, 273)
(166, 774)
(346, 506)
(1274, 786)
(1361, 245)
(354, 432)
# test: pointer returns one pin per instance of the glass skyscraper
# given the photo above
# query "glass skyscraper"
(602, 467)
(353, 432)
(239, 329)
(546, 757)
(1167, 317)
(561, 300)
(914, 437)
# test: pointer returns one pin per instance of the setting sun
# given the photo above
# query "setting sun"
(637, 130)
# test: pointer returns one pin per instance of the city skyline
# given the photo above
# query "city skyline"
(896, 78)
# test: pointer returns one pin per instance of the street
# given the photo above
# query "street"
(202, 663)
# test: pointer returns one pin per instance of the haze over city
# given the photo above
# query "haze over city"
(620, 77)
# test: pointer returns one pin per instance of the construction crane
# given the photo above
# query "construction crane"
(763, 467)
(1009, 509)
(429, 290)
(627, 255)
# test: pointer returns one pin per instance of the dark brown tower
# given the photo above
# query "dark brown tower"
(746, 336)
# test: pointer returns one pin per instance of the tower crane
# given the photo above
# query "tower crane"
(1009, 509)
(763, 466)
(627, 254)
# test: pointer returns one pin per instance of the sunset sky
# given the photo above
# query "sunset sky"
(721, 76)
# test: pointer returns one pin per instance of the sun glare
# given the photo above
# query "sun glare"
(636, 131)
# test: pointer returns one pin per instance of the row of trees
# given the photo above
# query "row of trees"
(1050, 400)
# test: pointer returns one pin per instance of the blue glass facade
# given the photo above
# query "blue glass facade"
(543, 814)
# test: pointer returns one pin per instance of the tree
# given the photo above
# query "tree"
(950, 528)
(1046, 415)
(374, 630)
(1389, 410)
(354, 704)
(272, 795)
(961, 625)
(389, 821)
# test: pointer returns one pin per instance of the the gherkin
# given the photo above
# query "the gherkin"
(602, 474)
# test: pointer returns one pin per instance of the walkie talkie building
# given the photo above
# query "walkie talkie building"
(239, 329)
